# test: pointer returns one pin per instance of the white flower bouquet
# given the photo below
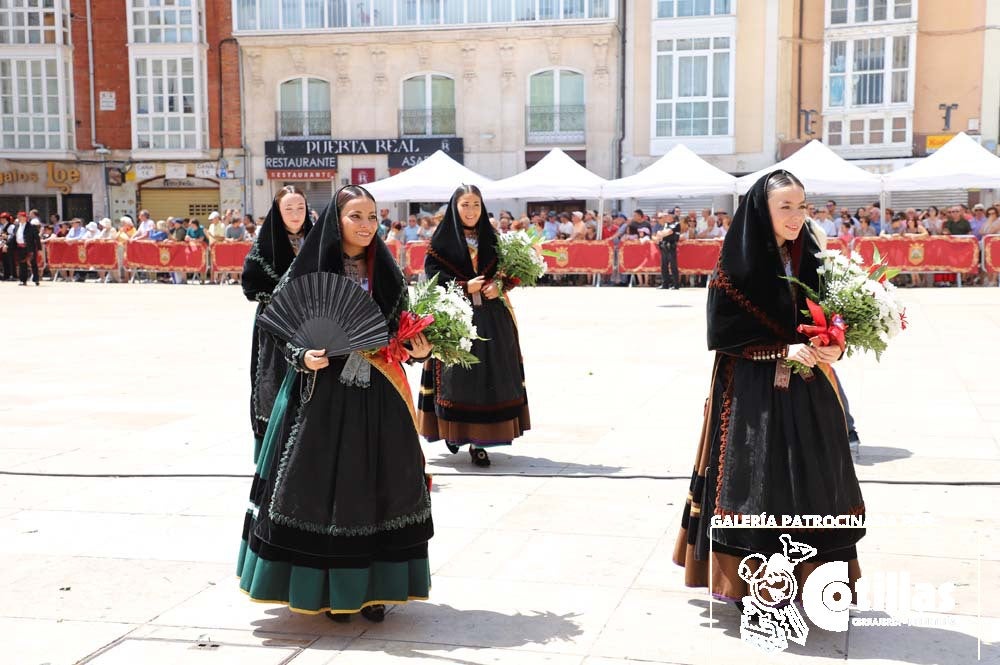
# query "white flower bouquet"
(519, 258)
(856, 307)
(451, 330)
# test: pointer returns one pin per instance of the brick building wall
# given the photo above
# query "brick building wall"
(222, 45)
(111, 74)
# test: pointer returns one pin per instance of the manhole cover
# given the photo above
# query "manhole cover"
(151, 651)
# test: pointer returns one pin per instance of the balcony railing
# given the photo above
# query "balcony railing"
(427, 122)
(302, 123)
(269, 16)
(555, 124)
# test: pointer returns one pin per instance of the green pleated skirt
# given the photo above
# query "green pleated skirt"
(310, 590)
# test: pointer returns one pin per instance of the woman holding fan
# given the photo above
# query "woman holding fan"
(486, 404)
(278, 242)
(774, 442)
(341, 511)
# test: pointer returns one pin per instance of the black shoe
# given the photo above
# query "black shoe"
(664, 287)
(479, 457)
(339, 617)
(676, 288)
(374, 613)
(452, 447)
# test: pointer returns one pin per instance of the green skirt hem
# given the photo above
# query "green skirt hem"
(338, 590)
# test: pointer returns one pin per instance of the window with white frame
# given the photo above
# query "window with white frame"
(860, 12)
(290, 15)
(869, 81)
(168, 104)
(685, 8)
(428, 106)
(34, 22)
(304, 108)
(868, 130)
(693, 87)
(556, 111)
(165, 21)
(32, 115)
(869, 71)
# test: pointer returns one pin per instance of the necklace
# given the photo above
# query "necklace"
(356, 270)
(786, 259)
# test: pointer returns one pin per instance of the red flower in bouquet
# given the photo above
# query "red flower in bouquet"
(410, 325)
(822, 333)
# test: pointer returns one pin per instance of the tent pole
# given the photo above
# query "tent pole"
(600, 232)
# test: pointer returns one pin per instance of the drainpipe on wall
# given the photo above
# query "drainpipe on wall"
(90, 70)
(100, 148)
(798, 88)
(617, 168)
(247, 176)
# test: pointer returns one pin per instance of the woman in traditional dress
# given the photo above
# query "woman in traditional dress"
(341, 511)
(773, 442)
(272, 253)
(485, 405)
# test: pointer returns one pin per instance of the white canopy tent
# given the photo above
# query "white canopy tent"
(434, 179)
(680, 173)
(555, 176)
(822, 171)
(961, 163)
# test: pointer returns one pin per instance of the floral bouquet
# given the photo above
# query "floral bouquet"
(856, 308)
(444, 315)
(519, 258)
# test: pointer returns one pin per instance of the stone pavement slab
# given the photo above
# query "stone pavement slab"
(560, 553)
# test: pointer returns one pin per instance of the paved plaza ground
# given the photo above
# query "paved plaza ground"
(126, 453)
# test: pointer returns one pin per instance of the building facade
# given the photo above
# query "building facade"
(356, 91)
(702, 73)
(884, 79)
(108, 107)
(746, 83)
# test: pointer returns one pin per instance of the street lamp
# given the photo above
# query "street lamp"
(947, 108)
(104, 152)
(806, 118)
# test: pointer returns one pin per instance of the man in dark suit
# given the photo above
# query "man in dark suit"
(666, 239)
(26, 243)
(7, 227)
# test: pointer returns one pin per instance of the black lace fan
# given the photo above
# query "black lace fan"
(324, 310)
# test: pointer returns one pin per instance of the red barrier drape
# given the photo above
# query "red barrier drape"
(586, 257)
(694, 257)
(836, 244)
(81, 255)
(991, 253)
(415, 253)
(927, 254)
(396, 249)
(229, 256)
(166, 256)
(635, 256)
(698, 257)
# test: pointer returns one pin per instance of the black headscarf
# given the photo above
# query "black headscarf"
(749, 301)
(271, 254)
(322, 252)
(449, 253)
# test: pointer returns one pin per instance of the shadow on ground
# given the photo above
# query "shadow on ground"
(872, 455)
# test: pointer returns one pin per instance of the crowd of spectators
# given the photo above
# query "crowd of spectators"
(578, 225)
